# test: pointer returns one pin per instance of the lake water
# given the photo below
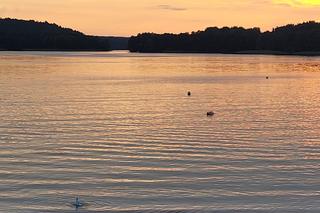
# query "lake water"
(118, 131)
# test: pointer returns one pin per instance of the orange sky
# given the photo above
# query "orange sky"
(128, 17)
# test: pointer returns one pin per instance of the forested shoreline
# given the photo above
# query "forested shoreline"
(32, 35)
(299, 39)
(290, 39)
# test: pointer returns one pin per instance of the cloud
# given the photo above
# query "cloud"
(170, 7)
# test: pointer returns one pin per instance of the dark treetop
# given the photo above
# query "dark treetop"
(31, 35)
(290, 39)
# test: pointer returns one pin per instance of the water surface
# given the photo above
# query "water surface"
(119, 131)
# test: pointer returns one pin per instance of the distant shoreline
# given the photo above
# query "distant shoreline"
(250, 52)
(266, 52)
(54, 50)
(300, 39)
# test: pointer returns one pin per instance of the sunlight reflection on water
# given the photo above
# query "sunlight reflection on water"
(119, 131)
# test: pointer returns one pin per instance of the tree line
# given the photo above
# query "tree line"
(304, 37)
(32, 35)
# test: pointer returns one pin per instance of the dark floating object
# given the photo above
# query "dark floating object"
(267, 77)
(78, 203)
(210, 113)
(189, 93)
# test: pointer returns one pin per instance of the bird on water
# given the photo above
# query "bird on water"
(78, 203)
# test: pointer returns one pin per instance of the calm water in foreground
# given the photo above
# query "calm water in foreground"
(118, 130)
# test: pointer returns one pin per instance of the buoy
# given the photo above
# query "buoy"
(210, 113)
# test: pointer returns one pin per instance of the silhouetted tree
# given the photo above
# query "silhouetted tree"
(31, 35)
(291, 39)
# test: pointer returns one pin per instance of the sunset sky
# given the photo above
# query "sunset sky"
(129, 17)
